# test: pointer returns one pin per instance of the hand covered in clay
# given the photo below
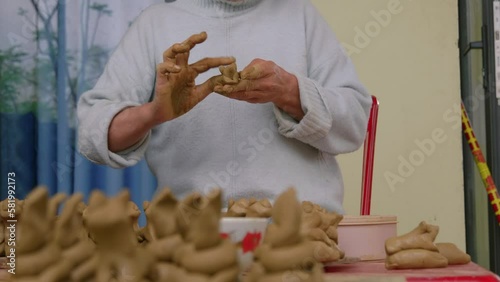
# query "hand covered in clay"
(264, 81)
(176, 92)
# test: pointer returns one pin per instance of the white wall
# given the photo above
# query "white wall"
(406, 53)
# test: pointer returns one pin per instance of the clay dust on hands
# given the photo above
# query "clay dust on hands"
(176, 92)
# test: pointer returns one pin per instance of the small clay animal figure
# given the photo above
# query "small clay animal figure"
(260, 208)
(230, 74)
(203, 255)
(415, 249)
(249, 208)
(286, 216)
(320, 225)
(286, 255)
(119, 256)
(161, 232)
(422, 237)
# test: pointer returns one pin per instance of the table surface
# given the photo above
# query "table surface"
(376, 272)
(359, 271)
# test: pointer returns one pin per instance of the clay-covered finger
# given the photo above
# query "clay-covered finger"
(253, 72)
(175, 49)
(207, 63)
(240, 90)
(167, 67)
(195, 39)
(182, 59)
(185, 46)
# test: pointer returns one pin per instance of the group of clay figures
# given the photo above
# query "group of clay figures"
(297, 242)
(416, 249)
(102, 241)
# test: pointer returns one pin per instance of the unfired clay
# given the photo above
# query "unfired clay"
(34, 226)
(183, 237)
(119, 257)
(2, 238)
(416, 249)
(422, 237)
(38, 254)
(72, 238)
(4, 209)
(160, 215)
(285, 254)
(205, 255)
(415, 259)
(237, 208)
(321, 225)
(161, 232)
(187, 209)
(230, 74)
(134, 213)
(453, 253)
(53, 205)
(260, 208)
(182, 240)
(249, 208)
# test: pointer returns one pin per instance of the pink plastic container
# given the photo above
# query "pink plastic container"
(364, 236)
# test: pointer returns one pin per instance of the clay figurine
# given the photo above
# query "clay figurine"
(453, 253)
(320, 225)
(285, 254)
(230, 74)
(422, 237)
(249, 208)
(161, 232)
(119, 256)
(38, 255)
(205, 253)
(415, 249)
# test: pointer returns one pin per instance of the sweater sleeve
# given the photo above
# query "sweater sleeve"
(335, 103)
(127, 81)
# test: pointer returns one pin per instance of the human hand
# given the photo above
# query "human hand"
(176, 92)
(262, 82)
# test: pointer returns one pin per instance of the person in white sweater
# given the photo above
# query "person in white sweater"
(298, 105)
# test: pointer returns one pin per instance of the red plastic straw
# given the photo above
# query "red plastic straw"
(368, 159)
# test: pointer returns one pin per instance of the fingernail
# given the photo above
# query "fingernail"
(177, 67)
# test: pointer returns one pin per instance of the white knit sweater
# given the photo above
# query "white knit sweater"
(249, 150)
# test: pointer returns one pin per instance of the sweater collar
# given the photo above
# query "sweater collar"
(224, 8)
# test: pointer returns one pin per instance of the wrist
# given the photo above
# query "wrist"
(290, 100)
(156, 113)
